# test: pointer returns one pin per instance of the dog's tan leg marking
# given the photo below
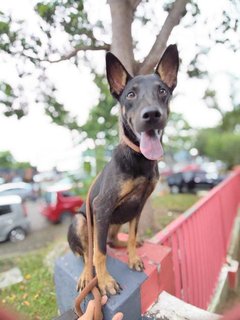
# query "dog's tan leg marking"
(83, 236)
(85, 275)
(134, 261)
(106, 282)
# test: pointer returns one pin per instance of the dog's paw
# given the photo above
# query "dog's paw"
(136, 264)
(108, 285)
(83, 280)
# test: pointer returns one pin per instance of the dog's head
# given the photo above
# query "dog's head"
(144, 99)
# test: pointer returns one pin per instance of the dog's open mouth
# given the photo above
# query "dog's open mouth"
(150, 144)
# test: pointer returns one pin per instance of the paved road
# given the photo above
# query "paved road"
(42, 233)
(37, 221)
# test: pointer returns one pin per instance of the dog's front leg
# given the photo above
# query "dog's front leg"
(106, 283)
(134, 261)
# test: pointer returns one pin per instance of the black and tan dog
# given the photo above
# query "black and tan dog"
(122, 188)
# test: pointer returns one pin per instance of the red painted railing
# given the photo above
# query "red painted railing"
(199, 239)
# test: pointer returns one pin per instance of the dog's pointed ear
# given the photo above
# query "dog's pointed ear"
(167, 67)
(117, 75)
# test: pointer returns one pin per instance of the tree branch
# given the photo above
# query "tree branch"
(173, 19)
(74, 52)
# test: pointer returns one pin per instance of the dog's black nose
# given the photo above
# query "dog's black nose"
(150, 114)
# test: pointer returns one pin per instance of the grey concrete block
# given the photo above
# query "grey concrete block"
(67, 271)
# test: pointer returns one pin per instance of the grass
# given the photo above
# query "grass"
(170, 206)
(35, 296)
(175, 202)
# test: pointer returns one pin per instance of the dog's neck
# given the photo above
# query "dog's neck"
(131, 161)
(130, 144)
(128, 137)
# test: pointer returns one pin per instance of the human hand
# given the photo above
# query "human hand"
(88, 315)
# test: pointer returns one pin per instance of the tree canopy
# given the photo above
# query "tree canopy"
(65, 30)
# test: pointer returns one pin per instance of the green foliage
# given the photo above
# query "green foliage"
(70, 19)
(8, 99)
(46, 11)
(231, 120)
(219, 145)
(102, 121)
(59, 114)
(7, 35)
(7, 161)
(30, 51)
(101, 126)
(178, 134)
(85, 187)
(87, 168)
(22, 165)
(222, 142)
(70, 15)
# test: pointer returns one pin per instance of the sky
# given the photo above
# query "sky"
(34, 138)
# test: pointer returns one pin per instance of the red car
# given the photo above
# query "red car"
(60, 205)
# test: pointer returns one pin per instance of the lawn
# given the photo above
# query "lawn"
(35, 296)
(169, 206)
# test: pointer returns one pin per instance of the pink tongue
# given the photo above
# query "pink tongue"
(150, 146)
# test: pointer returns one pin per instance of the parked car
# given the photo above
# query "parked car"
(21, 189)
(13, 219)
(191, 181)
(60, 205)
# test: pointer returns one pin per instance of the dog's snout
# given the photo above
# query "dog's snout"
(149, 115)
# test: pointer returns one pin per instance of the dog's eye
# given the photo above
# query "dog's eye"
(162, 92)
(131, 95)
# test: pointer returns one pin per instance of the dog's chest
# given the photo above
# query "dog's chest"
(136, 188)
(132, 197)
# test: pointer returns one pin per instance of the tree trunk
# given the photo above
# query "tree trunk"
(122, 43)
(122, 13)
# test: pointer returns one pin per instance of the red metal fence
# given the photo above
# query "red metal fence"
(199, 240)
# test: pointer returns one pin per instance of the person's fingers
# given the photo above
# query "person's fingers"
(118, 316)
(104, 300)
(88, 315)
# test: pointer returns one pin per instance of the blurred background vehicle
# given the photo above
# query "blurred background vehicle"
(24, 190)
(192, 181)
(60, 205)
(13, 219)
